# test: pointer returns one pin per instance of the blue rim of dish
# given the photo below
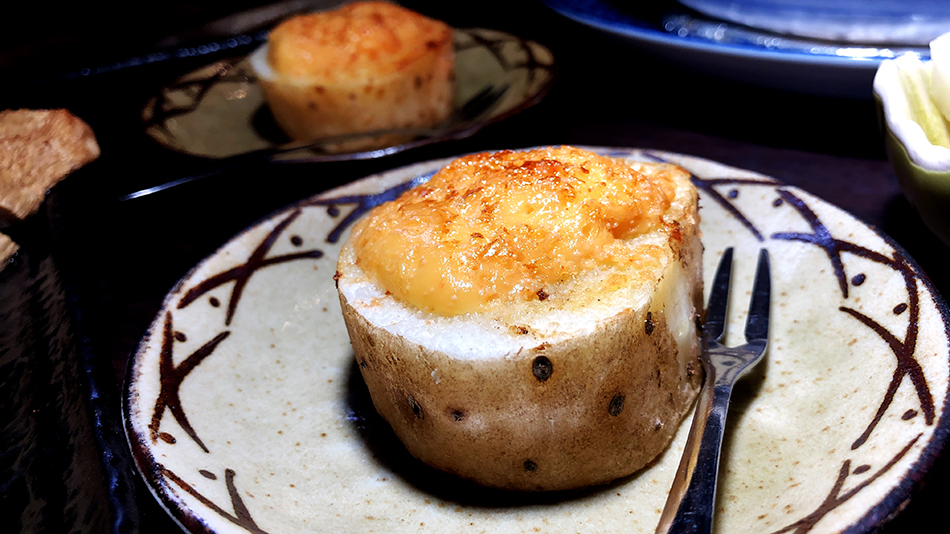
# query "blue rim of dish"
(680, 27)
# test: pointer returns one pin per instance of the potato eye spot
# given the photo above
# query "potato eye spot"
(416, 409)
(542, 368)
(616, 405)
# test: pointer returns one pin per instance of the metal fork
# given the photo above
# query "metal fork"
(689, 507)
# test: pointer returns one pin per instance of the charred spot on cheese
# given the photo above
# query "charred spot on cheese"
(676, 232)
(489, 229)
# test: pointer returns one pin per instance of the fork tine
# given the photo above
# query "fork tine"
(715, 324)
(690, 506)
(757, 324)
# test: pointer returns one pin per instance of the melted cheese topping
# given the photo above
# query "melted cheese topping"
(357, 41)
(493, 229)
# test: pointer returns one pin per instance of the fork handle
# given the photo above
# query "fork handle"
(693, 495)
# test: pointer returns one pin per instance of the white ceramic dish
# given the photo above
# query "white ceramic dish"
(219, 110)
(246, 413)
(734, 51)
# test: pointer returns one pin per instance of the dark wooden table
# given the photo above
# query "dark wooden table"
(118, 259)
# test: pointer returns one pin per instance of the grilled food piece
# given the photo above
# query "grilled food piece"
(527, 320)
(38, 148)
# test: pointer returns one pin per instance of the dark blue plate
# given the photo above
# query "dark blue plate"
(737, 52)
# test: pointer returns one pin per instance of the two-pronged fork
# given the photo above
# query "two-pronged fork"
(689, 507)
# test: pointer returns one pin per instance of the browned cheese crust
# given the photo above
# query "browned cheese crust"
(38, 148)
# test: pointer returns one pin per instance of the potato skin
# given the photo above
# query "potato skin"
(497, 423)
(568, 414)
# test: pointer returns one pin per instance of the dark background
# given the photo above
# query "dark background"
(117, 260)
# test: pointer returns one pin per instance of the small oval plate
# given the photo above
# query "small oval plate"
(219, 110)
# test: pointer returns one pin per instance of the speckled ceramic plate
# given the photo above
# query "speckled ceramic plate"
(245, 411)
(219, 110)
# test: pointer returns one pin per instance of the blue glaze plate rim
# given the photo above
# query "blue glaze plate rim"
(683, 29)
(737, 51)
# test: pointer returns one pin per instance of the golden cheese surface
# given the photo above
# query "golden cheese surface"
(355, 41)
(496, 228)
